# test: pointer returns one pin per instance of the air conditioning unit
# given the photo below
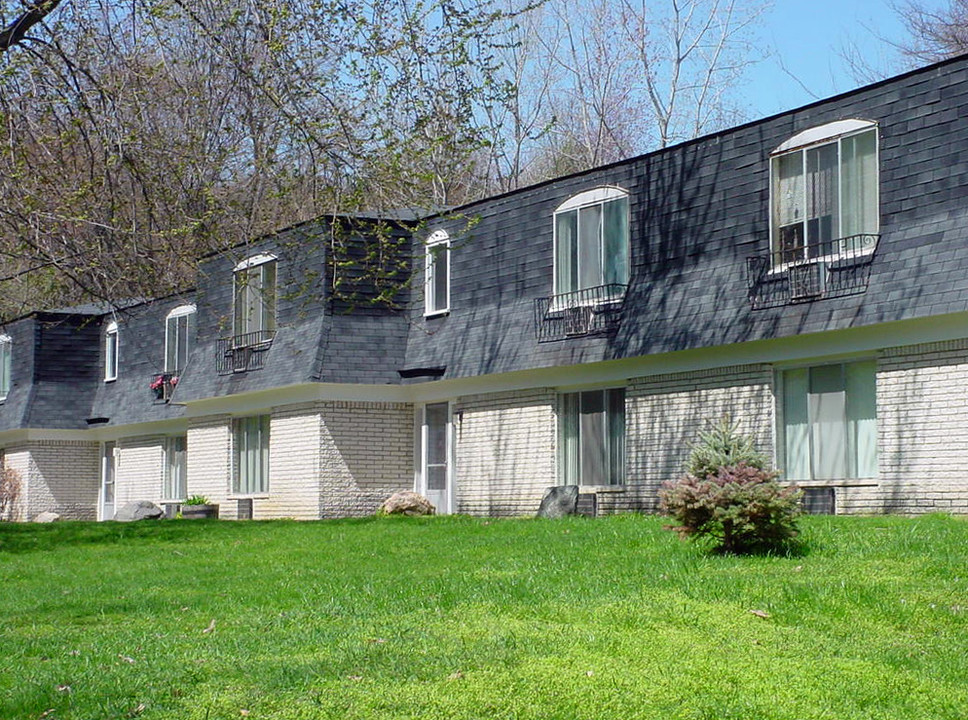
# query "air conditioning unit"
(808, 281)
(578, 320)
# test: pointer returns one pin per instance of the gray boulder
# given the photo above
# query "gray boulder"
(559, 501)
(47, 516)
(407, 503)
(141, 510)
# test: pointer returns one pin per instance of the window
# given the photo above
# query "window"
(176, 467)
(111, 352)
(592, 437)
(825, 192)
(828, 422)
(437, 274)
(251, 474)
(6, 353)
(179, 331)
(255, 295)
(592, 241)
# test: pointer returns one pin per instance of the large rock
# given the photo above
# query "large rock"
(559, 501)
(407, 503)
(46, 517)
(141, 510)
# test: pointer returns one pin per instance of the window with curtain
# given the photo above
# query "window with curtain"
(179, 331)
(591, 437)
(6, 358)
(828, 429)
(251, 467)
(592, 240)
(176, 467)
(255, 295)
(825, 193)
(111, 348)
(437, 274)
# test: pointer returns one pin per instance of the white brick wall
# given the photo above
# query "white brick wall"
(665, 414)
(330, 459)
(209, 450)
(58, 475)
(139, 470)
(505, 451)
(366, 455)
(922, 418)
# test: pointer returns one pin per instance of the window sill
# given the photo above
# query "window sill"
(436, 314)
(857, 257)
(602, 488)
(258, 496)
(853, 482)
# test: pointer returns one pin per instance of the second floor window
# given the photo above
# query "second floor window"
(592, 241)
(437, 274)
(825, 192)
(255, 295)
(111, 352)
(6, 356)
(179, 329)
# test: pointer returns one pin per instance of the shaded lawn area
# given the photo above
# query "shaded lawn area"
(467, 618)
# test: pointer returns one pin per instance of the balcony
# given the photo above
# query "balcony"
(162, 385)
(803, 273)
(590, 311)
(242, 353)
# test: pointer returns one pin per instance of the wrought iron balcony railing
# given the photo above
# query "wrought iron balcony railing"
(801, 273)
(590, 311)
(162, 385)
(241, 353)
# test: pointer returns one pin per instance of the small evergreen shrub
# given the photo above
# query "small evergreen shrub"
(743, 508)
(728, 494)
(722, 446)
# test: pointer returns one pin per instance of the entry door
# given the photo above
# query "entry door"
(436, 481)
(107, 481)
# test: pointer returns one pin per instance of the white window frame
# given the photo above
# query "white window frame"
(780, 419)
(6, 365)
(179, 312)
(240, 427)
(112, 352)
(583, 200)
(436, 260)
(267, 316)
(810, 139)
(421, 437)
(616, 483)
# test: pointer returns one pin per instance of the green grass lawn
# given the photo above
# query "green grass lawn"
(467, 618)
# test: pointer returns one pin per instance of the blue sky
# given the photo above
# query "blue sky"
(807, 37)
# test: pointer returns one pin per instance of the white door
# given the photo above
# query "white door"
(106, 509)
(435, 480)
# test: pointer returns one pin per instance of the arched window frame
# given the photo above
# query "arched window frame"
(6, 362)
(609, 254)
(179, 335)
(437, 274)
(254, 296)
(815, 223)
(112, 352)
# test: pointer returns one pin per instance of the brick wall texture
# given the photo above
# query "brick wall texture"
(62, 476)
(505, 451)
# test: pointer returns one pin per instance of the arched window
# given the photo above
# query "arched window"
(179, 334)
(6, 356)
(437, 274)
(255, 295)
(824, 188)
(592, 241)
(111, 348)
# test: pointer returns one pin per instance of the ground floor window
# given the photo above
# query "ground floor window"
(591, 437)
(176, 467)
(251, 467)
(828, 422)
